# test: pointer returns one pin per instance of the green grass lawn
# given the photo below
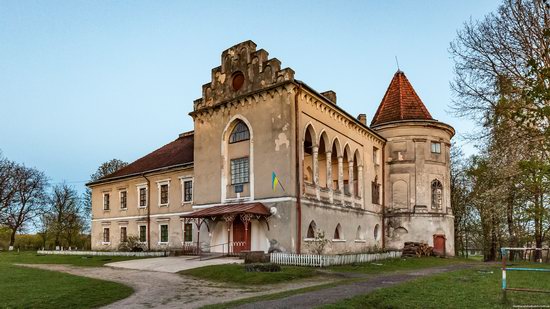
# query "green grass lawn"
(402, 264)
(471, 288)
(22, 287)
(386, 266)
(235, 273)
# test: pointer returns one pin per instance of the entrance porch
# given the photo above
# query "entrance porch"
(233, 228)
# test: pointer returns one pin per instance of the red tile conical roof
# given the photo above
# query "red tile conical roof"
(400, 103)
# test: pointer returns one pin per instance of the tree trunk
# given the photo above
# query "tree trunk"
(510, 222)
(538, 226)
(12, 237)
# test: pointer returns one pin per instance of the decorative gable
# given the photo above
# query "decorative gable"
(243, 70)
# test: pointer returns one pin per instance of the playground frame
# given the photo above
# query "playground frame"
(504, 252)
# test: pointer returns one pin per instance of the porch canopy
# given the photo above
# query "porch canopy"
(228, 213)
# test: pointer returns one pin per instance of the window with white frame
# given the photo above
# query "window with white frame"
(163, 233)
(436, 147)
(142, 233)
(106, 235)
(106, 201)
(164, 187)
(188, 232)
(239, 171)
(123, 199)
(437, 194)
(142, 196)
(123, 234)
(188, 190)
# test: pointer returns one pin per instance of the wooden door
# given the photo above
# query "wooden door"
(439, 244)
(241, 236)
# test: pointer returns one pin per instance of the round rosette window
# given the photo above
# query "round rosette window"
(237, 80)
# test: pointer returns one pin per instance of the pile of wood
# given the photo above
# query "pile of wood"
(417, 249)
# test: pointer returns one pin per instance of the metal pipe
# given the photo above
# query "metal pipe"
(383, 196)
(148, 211)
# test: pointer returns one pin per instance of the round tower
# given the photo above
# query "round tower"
(417, 204)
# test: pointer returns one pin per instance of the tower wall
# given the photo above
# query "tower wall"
(417, 183)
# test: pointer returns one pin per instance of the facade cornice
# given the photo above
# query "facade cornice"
(157, 171)
(423, 123)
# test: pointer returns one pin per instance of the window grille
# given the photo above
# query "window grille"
(239, 171)
(106, 236)
(142, 197)
(123, 198)
(106, 201)
(164, 194)
(164, 233)
(142, 233)
(187, 191)
(239, 133)
(123, 234)
(436, 147)
(188, 230)
(437, 194)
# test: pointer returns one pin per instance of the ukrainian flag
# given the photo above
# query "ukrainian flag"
(274, 181)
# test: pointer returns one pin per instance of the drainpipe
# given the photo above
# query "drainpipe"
(298, 179)
(383, 196)
(148, 212)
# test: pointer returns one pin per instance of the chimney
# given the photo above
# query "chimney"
(330, 95)
(362, 118)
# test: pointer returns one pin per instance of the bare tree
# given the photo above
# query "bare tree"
(502, 81)
(7, 184)
(63, 210)
(30, 187)
(499, 65)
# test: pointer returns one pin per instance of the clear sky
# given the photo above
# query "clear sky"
(82, 82)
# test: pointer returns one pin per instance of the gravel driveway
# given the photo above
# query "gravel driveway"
(169, 290)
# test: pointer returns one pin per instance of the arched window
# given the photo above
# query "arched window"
(437, 194)
(359, 234)
(311, 230)
(338, 232)
(346, 167)
(376, 231)
(322, 160)
(239, 133)
(309, 175)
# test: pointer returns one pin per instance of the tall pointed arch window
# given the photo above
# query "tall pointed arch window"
(240, 133)
(311, 230)
(437, 194)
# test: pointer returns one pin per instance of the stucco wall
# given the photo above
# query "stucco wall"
(116, 217)
(411, 167)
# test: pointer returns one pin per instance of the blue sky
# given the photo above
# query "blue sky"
(83, 82)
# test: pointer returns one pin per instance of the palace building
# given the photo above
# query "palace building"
(273, 162)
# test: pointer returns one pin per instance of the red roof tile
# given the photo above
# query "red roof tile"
(400, 103)
(250, 208)
(178, 152)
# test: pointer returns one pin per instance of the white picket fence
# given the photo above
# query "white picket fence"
(103, 253)
(329, 260)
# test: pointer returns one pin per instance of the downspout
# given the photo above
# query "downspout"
(148, 212)
(383, 196)
(298, 178)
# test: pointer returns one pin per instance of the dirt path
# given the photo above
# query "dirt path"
(335, 294)
(167, 290)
